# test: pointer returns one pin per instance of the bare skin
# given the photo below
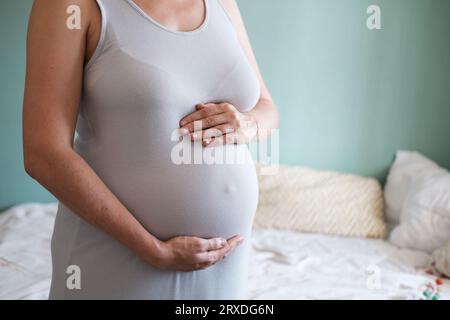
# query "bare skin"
(55, 60)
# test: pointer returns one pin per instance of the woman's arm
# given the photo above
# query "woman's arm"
(263, 118)
(55, 61)
(265, 112)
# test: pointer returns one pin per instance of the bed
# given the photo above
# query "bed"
(284, 264)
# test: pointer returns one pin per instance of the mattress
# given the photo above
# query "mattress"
(283, 264)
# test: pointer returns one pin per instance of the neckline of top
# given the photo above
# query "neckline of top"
(161, 26)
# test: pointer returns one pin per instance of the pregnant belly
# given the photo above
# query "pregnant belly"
(204, 200)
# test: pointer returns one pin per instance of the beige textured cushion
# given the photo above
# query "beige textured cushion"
(302, 199)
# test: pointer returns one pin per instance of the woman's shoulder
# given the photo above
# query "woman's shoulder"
(75, 14)
(59, 26)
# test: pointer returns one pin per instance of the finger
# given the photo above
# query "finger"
(218, 131)
(206, 259)
(206, 134)
(225, 106)
(211, 257)
(206, 111)
(214, 132)
(232, 244)
(213, 142)
(201, 106)
(204, 245)
(216, 244)
(206, 123)
(235, 241)
(230, 138)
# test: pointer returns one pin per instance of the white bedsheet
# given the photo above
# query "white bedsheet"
(284, 265)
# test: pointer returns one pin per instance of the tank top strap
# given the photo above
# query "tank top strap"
(223, 13)
(116, 20)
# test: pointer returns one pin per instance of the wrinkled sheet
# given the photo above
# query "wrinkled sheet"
(283, 264)
(290, 265)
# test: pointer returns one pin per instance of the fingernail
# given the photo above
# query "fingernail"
(184, 131)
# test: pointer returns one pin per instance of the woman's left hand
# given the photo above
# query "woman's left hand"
(218, 124)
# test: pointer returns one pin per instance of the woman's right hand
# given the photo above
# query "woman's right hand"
(193, 253)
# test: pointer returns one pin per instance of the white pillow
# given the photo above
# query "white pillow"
(425, 216)
(442, 259)
(406, 166)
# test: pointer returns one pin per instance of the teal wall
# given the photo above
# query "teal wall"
(15, 185)
(348, 97)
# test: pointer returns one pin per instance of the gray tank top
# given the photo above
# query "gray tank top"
(141, 81)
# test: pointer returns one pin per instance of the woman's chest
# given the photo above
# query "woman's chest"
(158, 73)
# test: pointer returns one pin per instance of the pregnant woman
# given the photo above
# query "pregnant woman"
(133, 221)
